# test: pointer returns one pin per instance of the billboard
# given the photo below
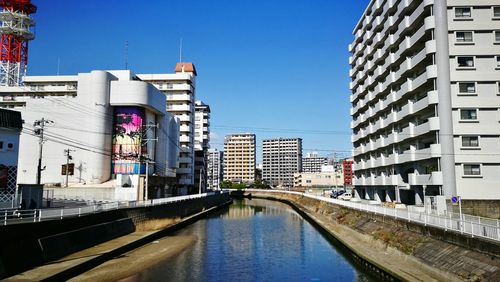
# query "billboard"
(127, 139)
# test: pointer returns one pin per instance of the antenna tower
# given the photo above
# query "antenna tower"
(14, 35)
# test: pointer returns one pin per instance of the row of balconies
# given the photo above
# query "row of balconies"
(390, 59)
(434, 178)
(180, 97)
(410, 131)
(180, 108)
(408, 109)
(408, 86)
(380, 37)
(174, 87)
(383, 36)
(376, 21)
(411, 155)
(382, 87)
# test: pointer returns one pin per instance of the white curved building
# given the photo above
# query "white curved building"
(109, 120)
(425, 81)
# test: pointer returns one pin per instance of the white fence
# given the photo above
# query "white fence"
(12, 216)
(473, 225)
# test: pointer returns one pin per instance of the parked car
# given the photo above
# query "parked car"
(345, 197)
(336, 194)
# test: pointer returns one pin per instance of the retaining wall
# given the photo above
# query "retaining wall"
(458, 254)
(22, 244)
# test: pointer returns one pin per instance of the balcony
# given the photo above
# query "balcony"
(179, 97)
(186, 160)
(179, 108)
(184, 170)
(435, 178)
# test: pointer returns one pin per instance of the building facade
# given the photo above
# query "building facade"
(106, 119)
(10, 129)
(281, 158)
(214, 168)
(347, 171)
(312, 162)
(239, 158)
(425, 100)
(201, 143)
(180, 88)
(328, 177)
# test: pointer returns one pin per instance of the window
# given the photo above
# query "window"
(465, 62)
(497, 36)
(496, 12)
(468, 114)
(497, 60)
(464, 36)
(470, 141)
(467, 87)
(472, 169)
(1, 145)
(463, 13)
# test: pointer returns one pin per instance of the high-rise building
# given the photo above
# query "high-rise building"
(201, 143)
(239, 158)
(425, 100)
(281, 158)
(312, 162)
(104, 120)
(179, 87)
(214, 168)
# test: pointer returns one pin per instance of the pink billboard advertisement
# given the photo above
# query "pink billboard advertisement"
(127, 139)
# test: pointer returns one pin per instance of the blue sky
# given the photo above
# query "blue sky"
(277, 68)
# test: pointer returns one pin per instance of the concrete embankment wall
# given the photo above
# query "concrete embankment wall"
(30, 244)
(435, 251)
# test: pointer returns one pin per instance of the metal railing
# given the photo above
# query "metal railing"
(474, 226)
(13, 216)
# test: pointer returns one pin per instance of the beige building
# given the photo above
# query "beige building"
(239, 158)
(425, 82)
(326, 178)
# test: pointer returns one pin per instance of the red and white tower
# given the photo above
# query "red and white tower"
(15, 34)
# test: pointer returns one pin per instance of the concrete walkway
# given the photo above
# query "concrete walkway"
(82, 261)
(74, 260)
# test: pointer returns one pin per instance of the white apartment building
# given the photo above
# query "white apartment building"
(179, 88)
(281, 158)
(214, 168)
(10, 129)
(105, 119)
(239, 158)
(426, 100)
(312, 162)
(201, 143)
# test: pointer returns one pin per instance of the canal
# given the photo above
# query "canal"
(255, 240)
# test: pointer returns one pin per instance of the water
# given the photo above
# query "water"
(255, 240)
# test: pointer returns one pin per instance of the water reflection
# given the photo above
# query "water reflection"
(255, 240)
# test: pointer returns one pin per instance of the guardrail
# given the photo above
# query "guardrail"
(472, 225)
(14, 216)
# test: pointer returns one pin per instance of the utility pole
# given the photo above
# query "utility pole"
(39, 126)
(68, 157)
(144, 142)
